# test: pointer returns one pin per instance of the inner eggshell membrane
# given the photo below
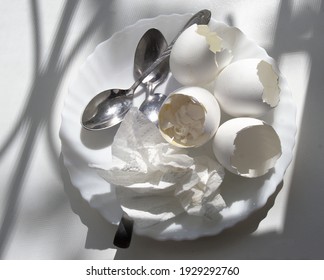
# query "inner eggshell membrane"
(214, 41)
(270, 82)
(182, 120)
(257, 149)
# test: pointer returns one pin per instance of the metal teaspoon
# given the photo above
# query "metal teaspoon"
(149, 48)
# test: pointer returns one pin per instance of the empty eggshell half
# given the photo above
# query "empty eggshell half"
(246, 146)
(197, 56)
(247, 88)
(189, 117)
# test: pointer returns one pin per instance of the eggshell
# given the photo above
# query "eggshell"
(189, 117)
(247, 88)
(246, 146)
(193, 58)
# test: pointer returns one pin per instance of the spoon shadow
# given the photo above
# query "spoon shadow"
(99, 139)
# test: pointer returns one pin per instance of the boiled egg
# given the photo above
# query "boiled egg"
(197, 56)
(189, 117)
(248, 88)
(247, 146)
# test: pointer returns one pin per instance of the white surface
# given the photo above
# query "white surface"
(36, 196)
(242, 196)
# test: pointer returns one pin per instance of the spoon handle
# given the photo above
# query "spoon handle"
(202, 17)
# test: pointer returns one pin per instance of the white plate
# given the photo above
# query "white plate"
(110, 66)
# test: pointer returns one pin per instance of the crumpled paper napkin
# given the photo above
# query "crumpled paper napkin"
(156, 181)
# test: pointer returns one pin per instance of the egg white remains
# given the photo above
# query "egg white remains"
(197, 56)
(248, 88)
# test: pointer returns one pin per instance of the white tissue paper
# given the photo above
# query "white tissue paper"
(156, 181)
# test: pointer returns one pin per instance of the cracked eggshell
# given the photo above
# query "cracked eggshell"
(246, 146)
(189, 117)
(247, 88)
(197, 56)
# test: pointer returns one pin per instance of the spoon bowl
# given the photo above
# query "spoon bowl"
(107, 109)
(149, 48)
(151, 106)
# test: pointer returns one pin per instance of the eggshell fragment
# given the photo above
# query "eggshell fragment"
(189, 117)
(246, 146)
(197, 56)
(247, 88)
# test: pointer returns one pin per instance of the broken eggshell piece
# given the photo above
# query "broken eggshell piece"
(198, 55)
(246, 146)
(248, 88)
(189, 117)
